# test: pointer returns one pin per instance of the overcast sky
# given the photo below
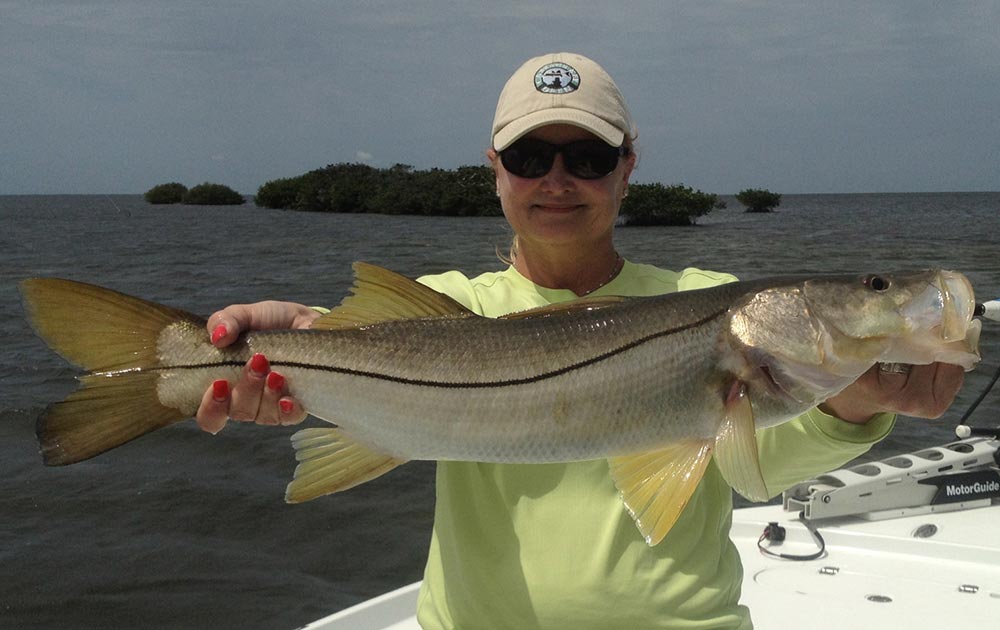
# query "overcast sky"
(115, 96)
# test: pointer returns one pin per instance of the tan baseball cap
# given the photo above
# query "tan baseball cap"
(561, 88)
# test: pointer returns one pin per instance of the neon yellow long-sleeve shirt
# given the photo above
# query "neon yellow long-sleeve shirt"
(550, 546)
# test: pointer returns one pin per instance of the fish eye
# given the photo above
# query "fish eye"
(877, 283)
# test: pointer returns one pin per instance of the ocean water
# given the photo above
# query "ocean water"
(184, 529)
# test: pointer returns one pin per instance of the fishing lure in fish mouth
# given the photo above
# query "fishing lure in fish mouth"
(659, 386)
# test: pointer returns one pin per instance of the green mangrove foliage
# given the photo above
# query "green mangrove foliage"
(758, 200)
(656, 204)
(172, 192)
(466, 191)
(207, 194)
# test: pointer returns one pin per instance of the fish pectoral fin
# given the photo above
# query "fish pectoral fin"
(656, 486)
(736, 450)
(331, 462)
(380, 295)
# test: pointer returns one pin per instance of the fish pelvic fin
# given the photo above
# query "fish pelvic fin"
(736, 447)
(113, 336)
(657, 485)
(329, 462)
(380, 295)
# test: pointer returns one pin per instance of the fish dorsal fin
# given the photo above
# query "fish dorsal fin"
(736, 449)
(380, 295)
(330, 462)
(564, 308)
(657, 485)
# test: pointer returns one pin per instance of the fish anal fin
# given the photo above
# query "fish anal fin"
(736, 447)
(656, 485)
(329, 462)
(565, 308)
(380, 295)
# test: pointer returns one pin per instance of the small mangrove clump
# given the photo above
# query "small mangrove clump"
(656, 204)
(758, 200)
(207, 194)
(172, 192)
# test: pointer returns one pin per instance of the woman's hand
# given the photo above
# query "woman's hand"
(926, 391)
(260, 395)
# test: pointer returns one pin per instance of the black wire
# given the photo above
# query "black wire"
(776, 534)
(981, 397)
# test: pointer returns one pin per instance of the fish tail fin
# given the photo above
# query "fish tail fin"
(114, 337)
(331, 462)
(105, 413)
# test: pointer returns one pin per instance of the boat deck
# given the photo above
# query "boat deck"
(875, 574)
(901, 550)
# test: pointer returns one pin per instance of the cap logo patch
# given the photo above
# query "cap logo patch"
(557, 78)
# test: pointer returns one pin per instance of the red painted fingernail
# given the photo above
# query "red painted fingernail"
(286, 405)
(259, 364)
(218, 333)
(220, 391)
(275, 381)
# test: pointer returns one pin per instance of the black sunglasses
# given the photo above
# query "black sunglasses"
(587, 159)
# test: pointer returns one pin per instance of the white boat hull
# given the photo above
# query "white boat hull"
(876, 574)
(927, 566)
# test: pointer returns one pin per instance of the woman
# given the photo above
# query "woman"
(550, 546)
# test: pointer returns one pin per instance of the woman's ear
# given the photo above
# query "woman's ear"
(629, 166)
(493, 156)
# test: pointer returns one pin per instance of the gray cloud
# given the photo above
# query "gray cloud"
(116, 96)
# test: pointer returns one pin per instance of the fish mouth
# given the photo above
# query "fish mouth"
(942, 325)
(946, 307)
(959, 304)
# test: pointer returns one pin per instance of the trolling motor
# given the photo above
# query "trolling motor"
(954, 476)
(964, 431)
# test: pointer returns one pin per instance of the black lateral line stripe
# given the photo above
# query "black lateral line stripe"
(446, 384)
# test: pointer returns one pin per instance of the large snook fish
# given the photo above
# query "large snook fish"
(656, 385)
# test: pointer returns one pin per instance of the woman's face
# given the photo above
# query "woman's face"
(559, 209)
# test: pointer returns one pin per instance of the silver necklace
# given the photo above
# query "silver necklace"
(615, 270)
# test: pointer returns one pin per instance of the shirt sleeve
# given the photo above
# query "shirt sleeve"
(455, 285)
(814, 443)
